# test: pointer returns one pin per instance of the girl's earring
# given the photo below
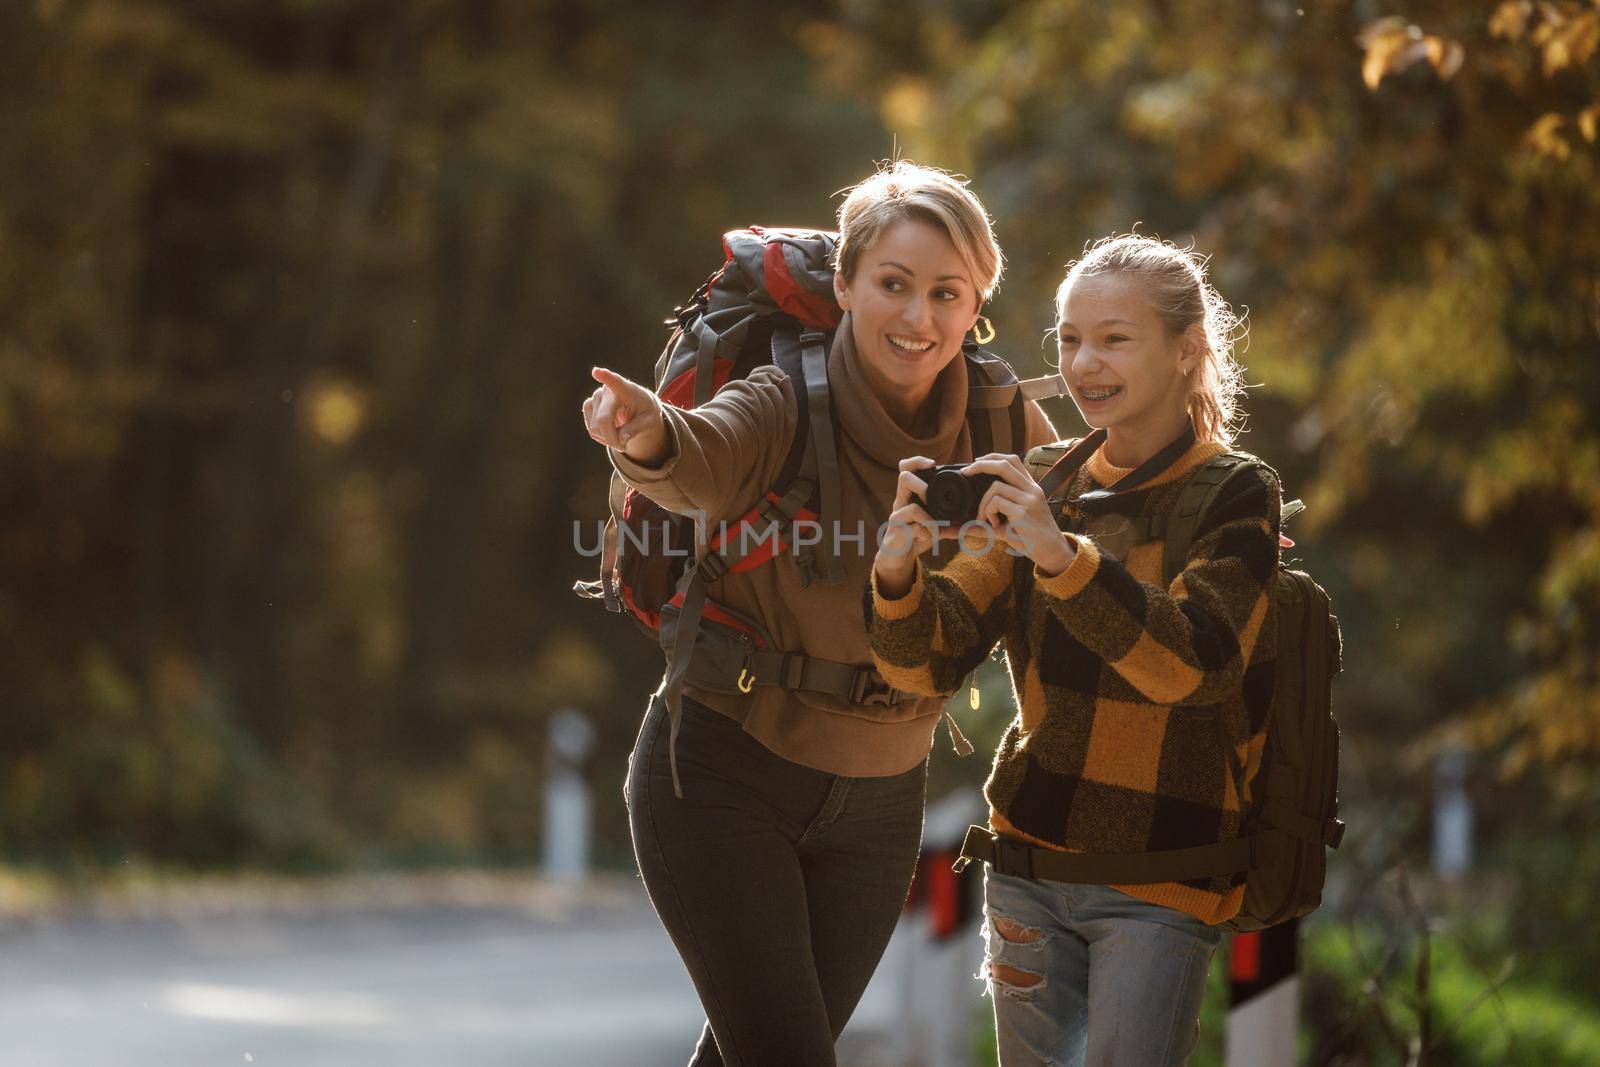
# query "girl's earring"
(983, 331)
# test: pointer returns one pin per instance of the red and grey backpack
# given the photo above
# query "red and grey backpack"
(771, 302)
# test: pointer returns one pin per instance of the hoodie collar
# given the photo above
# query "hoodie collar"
(864, 420)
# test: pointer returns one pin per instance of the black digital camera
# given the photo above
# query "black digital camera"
(953, 497)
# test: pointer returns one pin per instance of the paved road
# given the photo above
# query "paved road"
(583, 979)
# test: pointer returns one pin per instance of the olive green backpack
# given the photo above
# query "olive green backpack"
(1295, 794)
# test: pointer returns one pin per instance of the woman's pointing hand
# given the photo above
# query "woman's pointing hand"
(626, 416)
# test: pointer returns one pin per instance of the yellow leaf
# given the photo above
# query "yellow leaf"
(1387, 42)
(1585, 36)
(1557, 54)
(1510, 19)
(1376, 65)
(1545, 136)
(1446, 56)
(1589, 122)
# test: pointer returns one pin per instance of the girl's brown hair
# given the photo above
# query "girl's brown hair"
(1174, 281)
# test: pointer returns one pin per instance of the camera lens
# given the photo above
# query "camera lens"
(951, 497)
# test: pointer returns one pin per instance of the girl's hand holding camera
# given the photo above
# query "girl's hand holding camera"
(909, 531)
(1015, 508)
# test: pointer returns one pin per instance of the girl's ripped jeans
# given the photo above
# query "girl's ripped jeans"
(1086, 974)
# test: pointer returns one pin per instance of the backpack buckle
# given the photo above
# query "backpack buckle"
(1013, 857)
(794, 664)
(806, 564)
(711, 566)
(866, 688)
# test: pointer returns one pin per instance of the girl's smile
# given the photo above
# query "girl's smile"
(1125, 369)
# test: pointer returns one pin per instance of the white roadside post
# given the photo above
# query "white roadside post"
(936, 951)
(568, 808)
(1452, 815)
(1263, 997)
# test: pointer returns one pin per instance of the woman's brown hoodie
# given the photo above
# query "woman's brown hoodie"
(723, 456)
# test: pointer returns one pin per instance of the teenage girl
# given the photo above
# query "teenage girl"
(782, 870)
(1129, 689)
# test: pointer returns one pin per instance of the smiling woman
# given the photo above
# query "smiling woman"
(908, 325)
(781, 868)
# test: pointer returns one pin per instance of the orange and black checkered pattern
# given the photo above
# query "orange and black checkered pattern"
(1127, 687)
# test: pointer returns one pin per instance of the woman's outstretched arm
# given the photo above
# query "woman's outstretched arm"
(715, 459)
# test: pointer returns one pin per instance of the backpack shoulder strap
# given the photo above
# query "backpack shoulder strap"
(1040, 458)
(813, 453)
(1188, 513)
(996, 398)
(786, 356)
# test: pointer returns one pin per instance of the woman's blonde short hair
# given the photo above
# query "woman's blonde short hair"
(902, 190)
(1174, 281)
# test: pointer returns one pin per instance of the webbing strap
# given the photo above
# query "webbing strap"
(678, 659)
(1183, 521)
(1000, 430)
(776, 518)
(1000, 396)
(708, 568)
(1009, 856)
(606, 585)
(814, 362)
(1044, 387)
(1068, 464)
(616, 498)
(993, 390)
(1285, 818)
(1151, 467)
(796, 671)
(705, 354)
(720, 331)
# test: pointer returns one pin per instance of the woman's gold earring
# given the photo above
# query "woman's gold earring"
(983, 330)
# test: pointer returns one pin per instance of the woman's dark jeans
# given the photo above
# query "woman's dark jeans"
(779, 884)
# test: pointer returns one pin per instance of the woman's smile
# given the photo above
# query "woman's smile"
(908, 346)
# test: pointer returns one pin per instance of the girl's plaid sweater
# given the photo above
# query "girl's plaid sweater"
(1126, 686)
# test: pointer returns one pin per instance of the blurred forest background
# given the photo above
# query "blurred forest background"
(298, 302)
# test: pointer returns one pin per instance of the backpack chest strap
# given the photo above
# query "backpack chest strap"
(799, 672)
(1001, 396)
(1139, 529)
